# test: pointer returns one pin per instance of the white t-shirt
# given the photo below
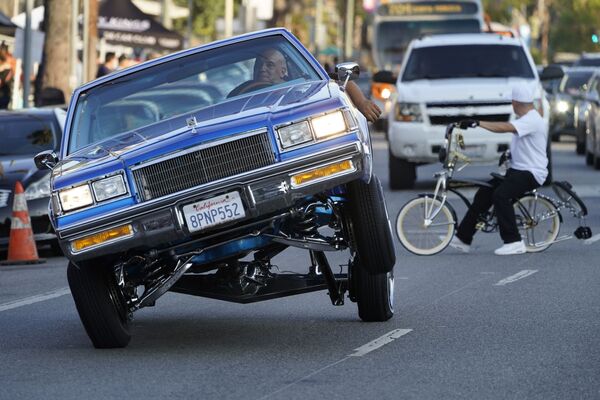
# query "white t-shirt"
(528, 146)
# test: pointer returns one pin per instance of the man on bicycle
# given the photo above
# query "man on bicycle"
(528, 171)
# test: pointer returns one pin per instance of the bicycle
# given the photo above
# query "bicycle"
(426, 224)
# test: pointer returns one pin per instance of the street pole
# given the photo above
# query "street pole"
(73, 79)
(27, 54)
(86, 40)
(166, 14)
(349, 35)
(190, 22)
(228, 18)
(318, 23)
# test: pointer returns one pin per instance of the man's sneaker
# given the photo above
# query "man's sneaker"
(459, 245)
(511, 248)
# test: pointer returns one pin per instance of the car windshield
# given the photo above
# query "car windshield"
(575, 82)
(467, 61)
(588, 62)
(25, 135)
(393, 37)
(185, 85)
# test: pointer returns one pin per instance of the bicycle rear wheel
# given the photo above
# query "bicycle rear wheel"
(539, 222)
(425, 226)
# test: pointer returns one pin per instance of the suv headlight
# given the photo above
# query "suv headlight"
(38, 189)
(408, 112)
(77, 197)
(108, 188)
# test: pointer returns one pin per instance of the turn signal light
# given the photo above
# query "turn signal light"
(321, 173)
(101, 237)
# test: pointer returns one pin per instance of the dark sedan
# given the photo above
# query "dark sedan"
(25, 133)
(564, 104)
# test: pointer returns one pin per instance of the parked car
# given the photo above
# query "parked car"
(588, 60)
(447, 78)
(25, 133)
(200, 200)
(563, 105)
(592, 119)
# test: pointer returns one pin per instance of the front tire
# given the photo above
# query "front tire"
(100, 304)
(374, 294)
(369, 226)
(422, 239)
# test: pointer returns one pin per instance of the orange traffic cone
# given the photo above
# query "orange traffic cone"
(21, 244)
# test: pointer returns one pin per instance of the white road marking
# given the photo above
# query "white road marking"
(519, 275)
(593, 239)
(379, 342)
(395, 334)
(34, 299)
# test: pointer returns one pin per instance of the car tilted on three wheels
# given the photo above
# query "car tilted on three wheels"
(168, 180)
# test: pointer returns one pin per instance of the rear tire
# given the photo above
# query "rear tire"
(369, 226)
(403, 173)
(543, 230)
(596, 163)
(374, 294)
(100, 304)
(580, 148)
(589, 158)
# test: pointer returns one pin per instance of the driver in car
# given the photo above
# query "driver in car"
(270, 68)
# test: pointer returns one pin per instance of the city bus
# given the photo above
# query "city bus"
(397, 22)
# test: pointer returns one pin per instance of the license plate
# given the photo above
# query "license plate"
(214, 211)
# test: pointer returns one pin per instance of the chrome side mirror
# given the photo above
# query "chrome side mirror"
(347, 71)
(46, 159)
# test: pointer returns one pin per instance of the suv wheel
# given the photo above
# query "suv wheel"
(589, 158)
(402, 173)
(369, 227)
(580, 148)
(374, 293)
(100, 304)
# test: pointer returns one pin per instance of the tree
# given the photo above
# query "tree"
(57, 46)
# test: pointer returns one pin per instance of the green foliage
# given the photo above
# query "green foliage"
(205, 14)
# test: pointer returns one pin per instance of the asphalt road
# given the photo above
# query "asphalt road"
(472, 326)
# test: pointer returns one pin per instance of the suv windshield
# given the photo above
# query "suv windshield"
(25, 136)
(185, 85)
(467, 61)
(393, 37)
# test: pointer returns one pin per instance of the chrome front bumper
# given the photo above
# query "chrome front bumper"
(266, 192)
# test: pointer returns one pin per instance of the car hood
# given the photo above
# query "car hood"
(464, 90)
(16, 168)
(243, 114)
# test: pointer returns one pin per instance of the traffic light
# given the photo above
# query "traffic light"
(595, 38)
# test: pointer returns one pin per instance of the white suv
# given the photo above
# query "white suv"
(447, 78)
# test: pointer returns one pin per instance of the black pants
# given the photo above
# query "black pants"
(502, 195)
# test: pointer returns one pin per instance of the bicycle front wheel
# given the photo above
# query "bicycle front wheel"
(425, 226)
(539, 222)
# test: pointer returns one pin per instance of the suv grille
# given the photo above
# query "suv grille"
(448, 119)
(204, 165)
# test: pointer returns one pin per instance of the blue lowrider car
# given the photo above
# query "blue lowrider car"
(188, 173)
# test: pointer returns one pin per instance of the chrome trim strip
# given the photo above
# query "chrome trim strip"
(146, 207)
(201, 146)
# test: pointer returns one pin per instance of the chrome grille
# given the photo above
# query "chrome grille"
(204, 165)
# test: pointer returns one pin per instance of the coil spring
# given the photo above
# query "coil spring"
(306, 224)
